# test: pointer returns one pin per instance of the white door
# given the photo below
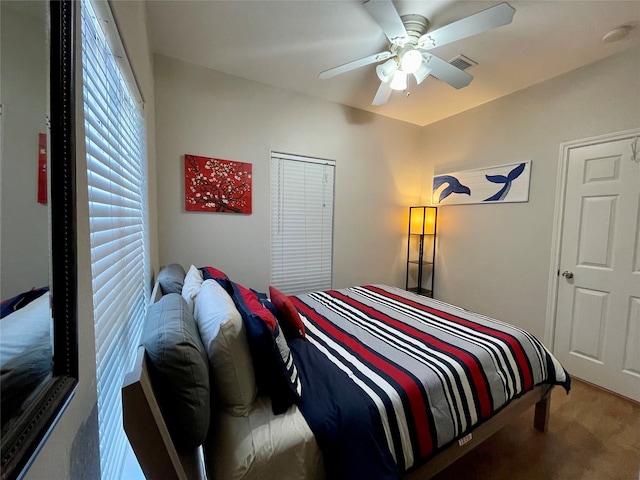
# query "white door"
(597, 336)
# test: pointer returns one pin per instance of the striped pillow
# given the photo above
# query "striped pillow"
(276, 372)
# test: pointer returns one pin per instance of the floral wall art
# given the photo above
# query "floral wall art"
(215, 185)
(42, 168)
(506, 183)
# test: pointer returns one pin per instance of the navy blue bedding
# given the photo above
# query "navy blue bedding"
(344, 421)
(391, 378)
(21, 300)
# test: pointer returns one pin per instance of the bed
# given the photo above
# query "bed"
(26, 352)
(364, 382)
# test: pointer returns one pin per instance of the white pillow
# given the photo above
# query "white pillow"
(191, 286)
(223, 335)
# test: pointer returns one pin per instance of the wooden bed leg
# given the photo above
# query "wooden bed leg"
(541, 415)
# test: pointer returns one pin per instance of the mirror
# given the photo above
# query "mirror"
(38, 331)
(26, 351)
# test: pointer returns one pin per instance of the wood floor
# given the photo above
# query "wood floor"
(593, 434)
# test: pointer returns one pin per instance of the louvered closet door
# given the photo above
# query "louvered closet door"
(301, 223)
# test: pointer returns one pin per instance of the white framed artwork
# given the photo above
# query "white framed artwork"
(501, 184)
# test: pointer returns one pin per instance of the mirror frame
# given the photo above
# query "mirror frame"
(21, 444)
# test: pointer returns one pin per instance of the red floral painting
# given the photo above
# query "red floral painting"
(42, 168)
(214, 185)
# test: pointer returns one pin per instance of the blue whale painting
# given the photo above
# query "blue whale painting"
(454, 186)
(504, 183)
(506, 180)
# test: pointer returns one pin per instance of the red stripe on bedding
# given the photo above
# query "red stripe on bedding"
(479, 382)
(521, 357)
(413, 392)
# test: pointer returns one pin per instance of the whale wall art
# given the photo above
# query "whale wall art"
(506, 183)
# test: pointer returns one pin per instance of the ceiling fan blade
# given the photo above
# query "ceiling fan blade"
(383, 94)
(493, 17)
(378, 57)
(446, 72)
(387, 17)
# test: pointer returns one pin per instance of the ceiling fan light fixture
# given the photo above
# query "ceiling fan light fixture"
(409, 46)
(386, 70)
(399, 81)
(411, 61)
(421, 73)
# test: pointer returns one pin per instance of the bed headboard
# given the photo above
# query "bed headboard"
(147, 429)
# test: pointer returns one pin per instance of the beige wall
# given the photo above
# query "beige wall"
(24, 223)
(72, 450)
(495, 259)
(378, 163)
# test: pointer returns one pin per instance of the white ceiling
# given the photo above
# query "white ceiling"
(288, 43)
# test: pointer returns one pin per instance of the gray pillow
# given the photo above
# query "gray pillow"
(179, 370)
(171, 278)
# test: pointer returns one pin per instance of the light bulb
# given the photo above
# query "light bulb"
(399, 81)
(411, 61)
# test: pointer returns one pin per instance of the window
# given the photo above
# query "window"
(301, 223)
(116, 174)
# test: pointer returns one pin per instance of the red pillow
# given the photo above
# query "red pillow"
(290, 319)
(254, 306)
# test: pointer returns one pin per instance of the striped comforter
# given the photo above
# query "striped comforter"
(389, 378)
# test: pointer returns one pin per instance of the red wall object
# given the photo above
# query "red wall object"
(42, 168)
(214, 185)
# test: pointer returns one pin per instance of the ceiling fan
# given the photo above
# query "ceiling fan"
(409, 45)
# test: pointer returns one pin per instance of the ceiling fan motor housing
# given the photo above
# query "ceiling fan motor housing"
(416, 26)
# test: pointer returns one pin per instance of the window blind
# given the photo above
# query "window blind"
(116, 175)
(302, 223)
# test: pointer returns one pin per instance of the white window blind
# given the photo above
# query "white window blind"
(116, 174)
(301, 223)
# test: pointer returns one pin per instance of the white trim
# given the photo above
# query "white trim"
(558, 219)
(301, 158)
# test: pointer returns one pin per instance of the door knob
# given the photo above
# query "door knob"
(567, 274)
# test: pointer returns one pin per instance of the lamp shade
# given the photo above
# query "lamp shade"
(411, 61)
(386, 70)
(422, 73)
(430, 220)
(422, 220)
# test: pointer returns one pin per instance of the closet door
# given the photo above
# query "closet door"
(301, 223)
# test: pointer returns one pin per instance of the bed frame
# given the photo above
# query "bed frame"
(540, 396)
(159, 459)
